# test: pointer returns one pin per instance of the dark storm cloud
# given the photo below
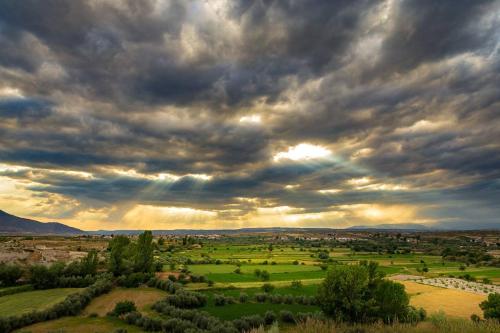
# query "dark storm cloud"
(24, 108)
(397, 91)
(431, 30)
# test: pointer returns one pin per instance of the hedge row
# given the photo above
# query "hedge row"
(285, 299)
(186, 299)
(179, 325)
(134, 280)
(15, 290)
(71, 306)
(166, 285)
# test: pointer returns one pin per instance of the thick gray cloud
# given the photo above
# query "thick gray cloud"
(402, 94)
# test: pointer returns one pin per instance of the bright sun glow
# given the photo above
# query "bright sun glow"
(303, 151)
(8, 92)
(253, 119)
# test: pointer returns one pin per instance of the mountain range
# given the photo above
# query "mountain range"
(11, 224)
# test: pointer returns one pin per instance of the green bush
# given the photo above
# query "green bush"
(287, 316)
(269, 317)
(9, 274)
(243, 298)
(267, 287)
(123, 307)
(186, 299)
(491, 306)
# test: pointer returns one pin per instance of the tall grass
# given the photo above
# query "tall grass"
(435, 325)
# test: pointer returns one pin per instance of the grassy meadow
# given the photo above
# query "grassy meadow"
(143, 297)
(80, 324)
(26, 302)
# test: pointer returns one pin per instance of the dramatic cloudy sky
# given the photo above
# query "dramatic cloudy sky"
(228, 114)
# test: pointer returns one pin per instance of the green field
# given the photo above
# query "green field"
(249, 269)
(25, 302)
(80, 324)
(233, 311)
(279, 263)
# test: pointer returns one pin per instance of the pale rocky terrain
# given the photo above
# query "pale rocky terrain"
(459, 284)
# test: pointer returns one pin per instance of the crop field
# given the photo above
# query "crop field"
(142, 297)
(249, 269)
(26, 302)
(295, 263)
(233, 311)
(454, 303)
(80, 324)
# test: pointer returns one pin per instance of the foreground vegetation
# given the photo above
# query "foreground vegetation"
(259, 282)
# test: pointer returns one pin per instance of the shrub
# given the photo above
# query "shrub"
(186, 299)
(276, 299)
(323, 255)
(264, 275)
(15, 290)
(491, 306)
(287, 316)
(267, 287)
(9, 274)
(269, 317)
(243, 298)
(296, 284)
(253, 321)
(123, 307)
(261, 297)
(219, 300)
(475, 318)
(172, 277)
(133, 280)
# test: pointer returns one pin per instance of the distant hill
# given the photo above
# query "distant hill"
(212, 231)
(10, 224)
(398, 226)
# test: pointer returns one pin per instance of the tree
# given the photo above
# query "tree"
(264, 275)
(123, 307)
(118, 254)
(323, 255)
(491, 306)
(143, 258)
(359, 294)
(392, 301)
(9, 274)
(342, 294)
(43, 277)
(267, 287)
(89, 263)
